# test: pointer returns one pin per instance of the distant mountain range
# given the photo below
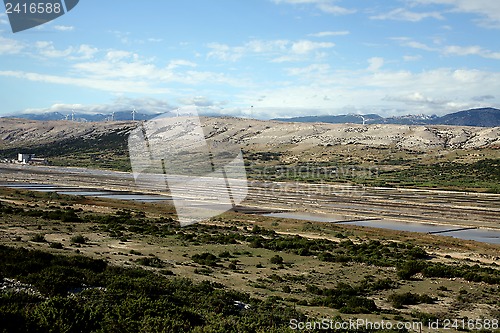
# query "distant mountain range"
(484, 117)
(90, 117)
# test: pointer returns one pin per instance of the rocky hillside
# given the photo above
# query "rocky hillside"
(262, 135)
(305, 135)
(22, 132)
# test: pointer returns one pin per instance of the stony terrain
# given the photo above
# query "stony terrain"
(268, 135)
(23, 132)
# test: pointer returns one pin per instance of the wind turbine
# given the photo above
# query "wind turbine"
(363, 119)
(360, 116)
(133, 114)
(113, 116)
(72, 115)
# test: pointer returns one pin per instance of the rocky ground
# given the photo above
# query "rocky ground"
(271, 134)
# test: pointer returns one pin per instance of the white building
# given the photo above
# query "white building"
(24, 158)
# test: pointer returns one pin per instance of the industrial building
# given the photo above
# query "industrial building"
(30, 159)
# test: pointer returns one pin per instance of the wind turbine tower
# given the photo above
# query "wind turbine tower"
(133, 114)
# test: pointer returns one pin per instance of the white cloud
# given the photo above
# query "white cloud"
(279, 50)
(234, 53)
(86, 51)
(375, 64)
(48, 50)
(225, 52)
(401, 14)
(330, 8)
(415, 98)
(327, 6)
(483, 98)
(471, 50)
(110, 85)
(201, 101)
(123, 37)
(263, 46)
(488, 10)
(450, 50)
(121, 71)
(330, 33)
(331, 91)
(412, 57)
(82, 52)
(120, 104)
(307, 46)
(10, 46)
(309, 71)
(117, 55)
(3, 18)
(173, 64)
(64, 28)
(408, 42)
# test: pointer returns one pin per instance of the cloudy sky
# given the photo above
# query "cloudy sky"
(283, 57)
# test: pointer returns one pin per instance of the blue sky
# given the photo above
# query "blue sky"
(283, 57)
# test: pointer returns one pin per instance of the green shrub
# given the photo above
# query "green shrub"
(151, 262)
(78, 239)
(203, 271)
(277, 259)
(225, 254)
(408, 298)
(205, 258)
(409, 268)
(56, 245)
(39, 238)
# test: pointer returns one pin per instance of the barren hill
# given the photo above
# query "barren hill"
(22, 132)
(265, 135)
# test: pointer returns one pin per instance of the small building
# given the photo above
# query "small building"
(31, 159)
(40, 161)
(24, 158)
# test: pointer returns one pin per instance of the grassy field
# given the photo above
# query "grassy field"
(130, 266)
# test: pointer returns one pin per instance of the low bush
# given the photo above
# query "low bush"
(39, 238)
(205, 258)
(408, 298)
(78, 239)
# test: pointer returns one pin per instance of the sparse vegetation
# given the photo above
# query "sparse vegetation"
(345, 276)
(101, 295)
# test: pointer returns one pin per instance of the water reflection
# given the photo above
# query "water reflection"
(480, 235)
